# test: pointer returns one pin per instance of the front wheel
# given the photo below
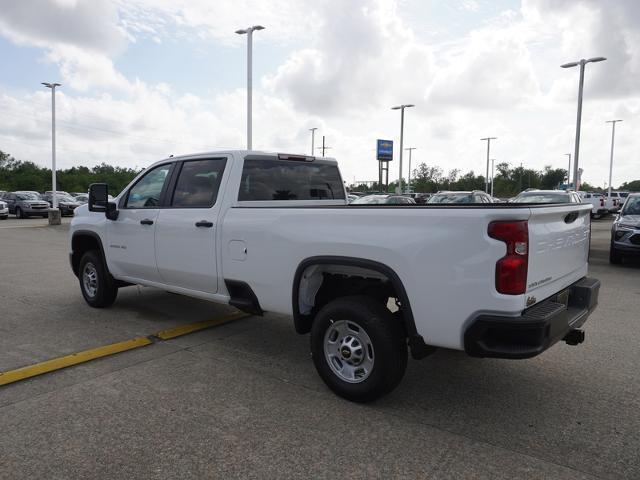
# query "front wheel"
(96, 283)
(358, 348)
(20, 213)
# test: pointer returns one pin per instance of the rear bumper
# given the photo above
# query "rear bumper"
(538, 328)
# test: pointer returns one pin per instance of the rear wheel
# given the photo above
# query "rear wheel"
(96, 283)
(358, 348)
(614, 255)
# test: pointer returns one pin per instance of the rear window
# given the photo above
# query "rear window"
(289, 180)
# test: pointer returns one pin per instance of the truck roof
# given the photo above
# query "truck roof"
(244, 153)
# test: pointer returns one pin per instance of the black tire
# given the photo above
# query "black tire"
(20, 213)
(4, 217)
(387, 340)
(614, 255)
(105, 289)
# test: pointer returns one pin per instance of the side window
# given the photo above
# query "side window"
(264, 179)
(146, 192)
(198, 183)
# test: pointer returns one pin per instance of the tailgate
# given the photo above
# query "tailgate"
(558, 248)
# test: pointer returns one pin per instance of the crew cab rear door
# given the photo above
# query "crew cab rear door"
(559, 238)
(186, 229)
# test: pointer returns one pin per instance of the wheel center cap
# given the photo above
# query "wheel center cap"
(345, 352)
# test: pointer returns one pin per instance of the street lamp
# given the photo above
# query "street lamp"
(401, 108)
(486, 178)
(249, 32)
(568, 171)
(576, 152)
(54, 213)
(409, 179)
(613, 137)
(313, 135)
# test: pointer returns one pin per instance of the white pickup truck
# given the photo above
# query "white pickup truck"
(274, 233)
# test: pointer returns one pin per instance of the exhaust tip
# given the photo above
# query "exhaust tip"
(574, 337)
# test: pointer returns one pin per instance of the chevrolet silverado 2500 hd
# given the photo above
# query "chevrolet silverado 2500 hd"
(274, 233)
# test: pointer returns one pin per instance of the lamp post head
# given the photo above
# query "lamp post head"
(402, 107)
(242, 31)
(489, 138)
(51, 85)
(596, 59)
(570, 64)
(612, 121)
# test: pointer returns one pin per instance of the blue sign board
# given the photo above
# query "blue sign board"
(385, 150)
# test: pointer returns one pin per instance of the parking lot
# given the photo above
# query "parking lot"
(243, 399)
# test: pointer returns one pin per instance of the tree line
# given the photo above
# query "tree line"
(24, 175)
(508, 180)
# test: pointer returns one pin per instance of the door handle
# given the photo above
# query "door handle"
(146, 221)
(204, 223)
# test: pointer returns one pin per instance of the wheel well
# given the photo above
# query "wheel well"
(319, 280)
(81, 243)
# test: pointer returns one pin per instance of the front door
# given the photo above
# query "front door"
(131, 238)
(186, 229)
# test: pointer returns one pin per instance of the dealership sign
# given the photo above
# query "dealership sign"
(385, 150)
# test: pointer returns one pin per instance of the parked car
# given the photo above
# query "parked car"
(598, 203)
(82, 198)
(547, 196)
(617, 200)
(351, 198)
(287, 242)
(66, 203)
(475, 196)
(625, 231)
(4, 210)
(26, 204)
(384, 200)
(422, 198)
(58, 192)
(76, 194)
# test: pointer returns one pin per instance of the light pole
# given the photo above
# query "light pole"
(576, 152)
(409, 179)
(54, 213)
(401, 108)
(313, 136)
(568, 171)
(249, 32)
(613, 137)
(323, 147)
(486, 178)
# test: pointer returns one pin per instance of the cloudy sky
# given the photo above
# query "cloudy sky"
(143, 79)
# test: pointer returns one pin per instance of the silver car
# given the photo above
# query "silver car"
(4, 210)
(26, 204)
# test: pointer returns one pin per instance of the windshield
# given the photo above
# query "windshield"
(632, 207)
(27, 196)
(370, 200)
(64, 198)
(539, 197)
(451, 198)
(624, 194)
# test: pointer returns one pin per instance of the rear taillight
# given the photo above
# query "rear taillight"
(511, 270)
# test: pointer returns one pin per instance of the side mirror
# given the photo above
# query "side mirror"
(99, 201)
(98, 197)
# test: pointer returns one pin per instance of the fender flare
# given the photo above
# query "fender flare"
(85, 233)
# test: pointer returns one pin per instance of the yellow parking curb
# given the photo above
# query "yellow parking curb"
(69, 360)
(54, 364)
(194, 327)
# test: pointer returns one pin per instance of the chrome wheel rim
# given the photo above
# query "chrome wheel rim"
(349, 351)
(90, 279)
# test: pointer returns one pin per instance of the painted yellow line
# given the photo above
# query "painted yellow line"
(194, 327)
(69, 360)
(54, 364)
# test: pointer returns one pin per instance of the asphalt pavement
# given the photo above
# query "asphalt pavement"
(243, 399)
